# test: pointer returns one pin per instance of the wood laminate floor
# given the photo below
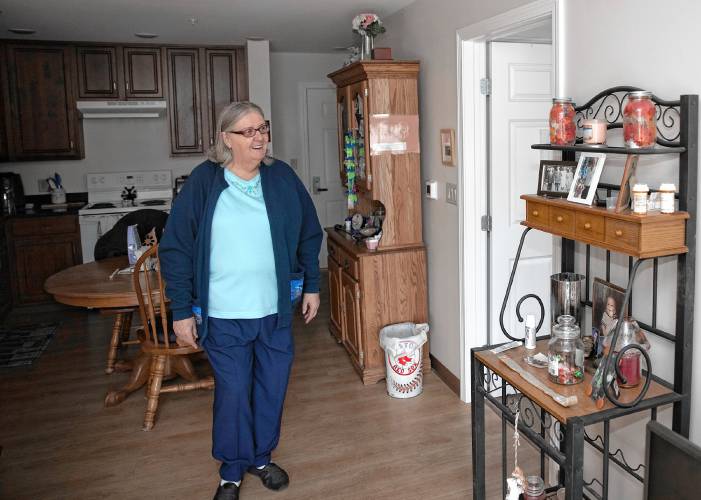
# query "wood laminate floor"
(340, 439)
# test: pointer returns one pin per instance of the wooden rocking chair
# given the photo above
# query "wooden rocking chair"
(158, 339)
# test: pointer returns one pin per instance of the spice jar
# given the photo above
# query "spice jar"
(639, 124)
(629, 363)
(535, 488)
(566, 352)
(594, 132)
(563, 131)
(667, 198)
(640, 198)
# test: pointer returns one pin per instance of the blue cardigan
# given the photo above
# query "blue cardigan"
(184, 248)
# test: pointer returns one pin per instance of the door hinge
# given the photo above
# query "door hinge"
(485, 86)
(486, 223)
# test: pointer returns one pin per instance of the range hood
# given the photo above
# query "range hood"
(122, 109)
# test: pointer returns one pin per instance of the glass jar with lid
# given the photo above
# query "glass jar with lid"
(629, 363)
(535, 488)
(563, 131)
(639, 123)
(566, 352)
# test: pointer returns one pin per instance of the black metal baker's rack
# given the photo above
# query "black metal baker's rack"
(677, 125)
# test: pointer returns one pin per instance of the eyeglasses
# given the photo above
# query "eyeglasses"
(250, 131)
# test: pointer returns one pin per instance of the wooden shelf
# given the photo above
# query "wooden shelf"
(661, 150)
(585, 407)
(642, 236)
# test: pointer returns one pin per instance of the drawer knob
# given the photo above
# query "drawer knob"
(535, 213)
(558, 218)
(618, 232)
(332, 250)
(587, 225)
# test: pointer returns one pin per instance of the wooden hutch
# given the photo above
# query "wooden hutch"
(372, 289)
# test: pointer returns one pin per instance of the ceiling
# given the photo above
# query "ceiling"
(290, 25)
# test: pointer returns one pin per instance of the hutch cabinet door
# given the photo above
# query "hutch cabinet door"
(142, 73)
(222, 86)
(184, 101)
(344, 125)
(335, 299)
(4, 114)
(97, 73)
(35, 261)
(359, 124)
(351, 318)
(44, 120)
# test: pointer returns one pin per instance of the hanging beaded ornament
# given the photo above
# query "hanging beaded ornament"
(349, 163)
(517, 481)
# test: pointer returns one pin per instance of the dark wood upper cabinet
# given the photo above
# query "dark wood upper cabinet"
(4, 115)
(183, 67)
(98, 70)
(222, 85)
(142, 73)
(43, 115)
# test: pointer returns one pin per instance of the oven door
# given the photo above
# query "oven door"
(92, 227)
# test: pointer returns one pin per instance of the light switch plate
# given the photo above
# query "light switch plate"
(432, 190)
(451, 193)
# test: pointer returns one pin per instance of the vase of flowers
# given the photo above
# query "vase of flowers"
(368, 26)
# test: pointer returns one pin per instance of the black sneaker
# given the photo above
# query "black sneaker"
(227, 491)
(272, 476)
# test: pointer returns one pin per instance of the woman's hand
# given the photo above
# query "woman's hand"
(310, 306)
(186, 332)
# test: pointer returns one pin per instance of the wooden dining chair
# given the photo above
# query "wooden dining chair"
(158, 339)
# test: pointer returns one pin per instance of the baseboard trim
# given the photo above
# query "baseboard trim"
(445, 375)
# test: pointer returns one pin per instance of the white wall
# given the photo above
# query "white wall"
(129, 144)
(287, 71)
(426, 31)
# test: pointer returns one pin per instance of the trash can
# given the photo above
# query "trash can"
(403, 343)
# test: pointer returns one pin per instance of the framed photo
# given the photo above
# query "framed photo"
(555, 178)
(586, 178)
(606, 301)
(448, 147)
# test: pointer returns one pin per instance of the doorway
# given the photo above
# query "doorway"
(508, 71)
(319, 126)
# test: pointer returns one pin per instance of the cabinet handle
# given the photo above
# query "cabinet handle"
(618, 232)
(127, 85)
(71, 144)
(332, 250)
(114, 85)
(587, 225)
(558, 218)
(535, 213)
(346, 265)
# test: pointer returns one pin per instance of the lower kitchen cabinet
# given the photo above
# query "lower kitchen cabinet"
(39, 247)
(372, 289)
(5, 296)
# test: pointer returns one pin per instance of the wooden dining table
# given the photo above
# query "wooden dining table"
(97, 285)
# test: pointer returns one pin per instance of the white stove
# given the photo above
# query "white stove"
(112, 195)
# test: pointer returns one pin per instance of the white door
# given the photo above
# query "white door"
(521, 80)
(322, 156)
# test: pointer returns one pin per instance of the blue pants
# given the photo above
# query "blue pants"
(251, 359)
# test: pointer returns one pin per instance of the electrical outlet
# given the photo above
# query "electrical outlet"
(451, 193)
(43, 185)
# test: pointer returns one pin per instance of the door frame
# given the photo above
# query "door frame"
(473, 173)
(304, 171)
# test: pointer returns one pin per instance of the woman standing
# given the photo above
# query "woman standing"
(242, 241)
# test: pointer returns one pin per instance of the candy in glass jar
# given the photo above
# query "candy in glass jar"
(639, 124)
(566, 352)
(563, 130)
(629, 363)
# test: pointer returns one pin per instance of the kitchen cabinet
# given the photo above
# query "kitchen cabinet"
(39, 247)
(201, 81)
(184, 102)
(5, 296)
(4, 106)
(43, 117)
(372, 289)
(98, 72)
(142, 73)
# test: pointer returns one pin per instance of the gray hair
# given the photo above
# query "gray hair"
(231, 114)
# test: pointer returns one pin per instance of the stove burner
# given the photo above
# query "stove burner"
(152, 203)
(102, 205)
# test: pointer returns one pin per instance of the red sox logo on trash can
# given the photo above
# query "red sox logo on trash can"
(408, 361)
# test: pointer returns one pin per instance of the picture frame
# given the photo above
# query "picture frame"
(448, 147)
(586, 178)
(555, 178)
(607, 299)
